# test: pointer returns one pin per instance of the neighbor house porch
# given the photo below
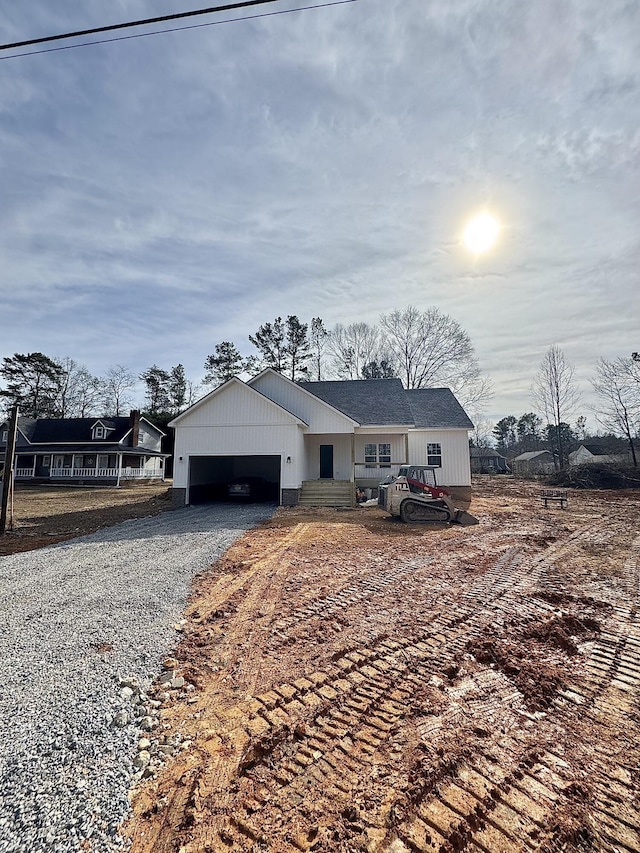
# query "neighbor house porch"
(107, 467)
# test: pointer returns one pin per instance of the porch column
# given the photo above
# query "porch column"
(353, 457)
(33, 472)
(119, 468)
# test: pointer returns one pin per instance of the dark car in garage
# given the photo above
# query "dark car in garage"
(250, 489)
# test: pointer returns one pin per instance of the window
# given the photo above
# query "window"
(99, 432)
(377, 454)
(434, 455)
(5, 435)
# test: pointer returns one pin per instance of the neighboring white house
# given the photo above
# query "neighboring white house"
(294, 434)
(589, 454)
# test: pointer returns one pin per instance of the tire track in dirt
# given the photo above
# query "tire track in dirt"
(354, 713)
(320, 763)
(608, 699)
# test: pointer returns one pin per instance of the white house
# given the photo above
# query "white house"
(296, 435)
(590, 454)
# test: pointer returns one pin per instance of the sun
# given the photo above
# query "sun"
(481, 233)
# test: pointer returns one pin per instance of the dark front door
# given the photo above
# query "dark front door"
(326, 461)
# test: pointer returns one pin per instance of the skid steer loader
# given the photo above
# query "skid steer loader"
(415, 496)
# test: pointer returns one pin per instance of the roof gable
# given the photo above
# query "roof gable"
(595, 449)
(318, 413)
(232, 403)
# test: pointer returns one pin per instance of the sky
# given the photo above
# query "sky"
(162, 194)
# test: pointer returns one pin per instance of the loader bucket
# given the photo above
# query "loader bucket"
(464, 518)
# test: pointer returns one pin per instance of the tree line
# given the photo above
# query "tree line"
(616, 386)
(423, 348)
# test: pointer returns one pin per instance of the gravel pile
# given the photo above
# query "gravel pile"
(79, 621)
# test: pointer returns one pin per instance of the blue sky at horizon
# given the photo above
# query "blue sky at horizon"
(162, 194)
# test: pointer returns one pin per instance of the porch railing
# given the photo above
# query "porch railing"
(105, 473)
(369, 471)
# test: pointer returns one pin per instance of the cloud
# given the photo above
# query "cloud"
(163, 194)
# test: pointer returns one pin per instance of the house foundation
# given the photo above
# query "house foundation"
(178, 498)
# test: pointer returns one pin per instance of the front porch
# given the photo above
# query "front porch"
(110, 468)
(363, 459)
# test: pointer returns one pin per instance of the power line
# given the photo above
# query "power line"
(158, 20)
(227, 7)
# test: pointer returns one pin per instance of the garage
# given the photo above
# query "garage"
(256, 478)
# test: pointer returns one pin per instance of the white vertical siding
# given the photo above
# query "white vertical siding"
(456, 464)
(342, 467)
(320, 417)
(235, 403)
(397, 443)
(274, 440)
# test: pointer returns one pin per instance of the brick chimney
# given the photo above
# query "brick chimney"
(134, 423)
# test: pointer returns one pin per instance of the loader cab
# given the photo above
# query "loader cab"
(422, 473)
(425, 474)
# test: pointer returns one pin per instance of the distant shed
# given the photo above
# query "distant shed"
(533, 463)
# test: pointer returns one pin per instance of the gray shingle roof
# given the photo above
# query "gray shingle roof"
(47, 430)
(531, 454)
(367, 401)
(388, 403)
(68, 435)
(485, 453)
(437, 408)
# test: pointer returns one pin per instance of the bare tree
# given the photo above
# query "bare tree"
(193, 392)
(482, 432)
(618, 390)
(78, 391)
(429, 348)
(117, 390)
(353, 347)
(556, 394)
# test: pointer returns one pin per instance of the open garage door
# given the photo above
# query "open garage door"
(256, 478)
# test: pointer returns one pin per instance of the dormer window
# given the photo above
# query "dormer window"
(99, 432)
(5, 435)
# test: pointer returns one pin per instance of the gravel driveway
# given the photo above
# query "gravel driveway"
(76, 619)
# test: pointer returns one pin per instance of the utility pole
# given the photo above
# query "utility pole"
(7, 480)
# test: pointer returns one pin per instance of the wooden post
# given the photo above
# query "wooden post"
(9, 461)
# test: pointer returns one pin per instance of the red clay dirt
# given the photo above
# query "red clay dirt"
(357, 684)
